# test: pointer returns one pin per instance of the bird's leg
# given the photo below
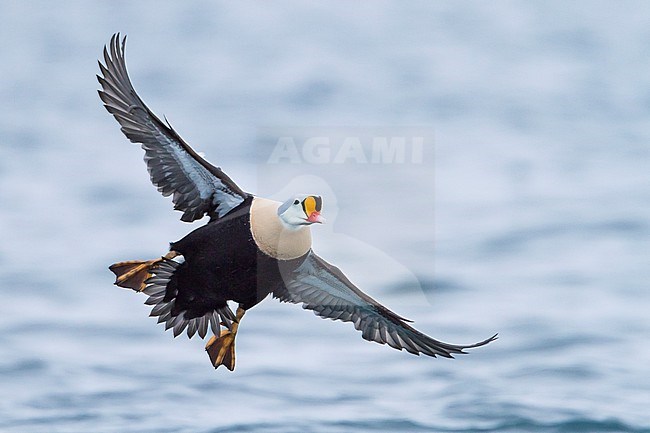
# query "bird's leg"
(222, 350)
(134, 274)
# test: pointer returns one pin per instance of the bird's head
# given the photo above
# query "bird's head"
(301, 210)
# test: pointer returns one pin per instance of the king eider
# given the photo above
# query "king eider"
(250, 248)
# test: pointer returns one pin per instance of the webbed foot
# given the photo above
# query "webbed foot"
(222, 350)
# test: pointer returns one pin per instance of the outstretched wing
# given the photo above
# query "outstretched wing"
(324, 289)
(197, 186)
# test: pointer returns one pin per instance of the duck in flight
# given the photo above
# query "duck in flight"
(250, 248)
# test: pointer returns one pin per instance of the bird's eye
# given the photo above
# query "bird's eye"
(296, 202)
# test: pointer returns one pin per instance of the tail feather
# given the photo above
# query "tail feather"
(151, 277)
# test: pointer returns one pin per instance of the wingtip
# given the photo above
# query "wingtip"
(461, 349)
(486, 341)
(116, 37)
(116, 44)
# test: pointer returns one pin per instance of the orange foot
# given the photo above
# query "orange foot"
(133, 274)
(222, 350)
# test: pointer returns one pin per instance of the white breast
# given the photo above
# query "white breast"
(272, 237)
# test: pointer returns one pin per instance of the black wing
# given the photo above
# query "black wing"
(324, 289)
(175, 168)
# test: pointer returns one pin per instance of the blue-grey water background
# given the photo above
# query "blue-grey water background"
(528, 216)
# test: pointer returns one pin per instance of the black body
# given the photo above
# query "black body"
(223, 263)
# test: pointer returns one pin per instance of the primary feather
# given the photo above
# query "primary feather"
(197, 187)
(323, 288)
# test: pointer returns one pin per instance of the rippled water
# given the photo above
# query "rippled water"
(528, 213)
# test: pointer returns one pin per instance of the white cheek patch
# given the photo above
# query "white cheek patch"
(272, 237)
